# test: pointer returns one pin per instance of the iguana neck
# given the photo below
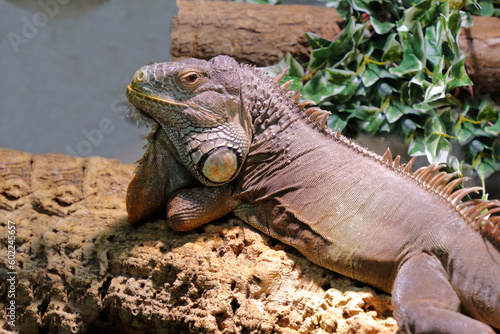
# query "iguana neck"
(268, 104)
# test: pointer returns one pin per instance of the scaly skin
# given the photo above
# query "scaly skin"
(227, 138)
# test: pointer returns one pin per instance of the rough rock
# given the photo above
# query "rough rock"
(82, 269)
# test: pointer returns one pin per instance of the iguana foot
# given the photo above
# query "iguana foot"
(425, 302)
(193, 207)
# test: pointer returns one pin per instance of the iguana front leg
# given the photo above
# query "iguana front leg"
(157, 177)
(191, 208)
(424, 300)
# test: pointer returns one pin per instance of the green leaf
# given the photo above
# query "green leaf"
(368, 110)
(384, 89)
(410, 64)
(372, 125)
(337, 50)
(466, 19)
(317, 89)
(437, 74)
(435, 125)
(380, 27)
(370, 75)
(316, 41)
(419, 79)
(487, 9)
(394, 111)
(417, 43)
(456, 76)
(476, 147)
(485, 167)
(393, 114)
(494, 129)
(343, 93)
(437, 146)
(410, 16)
(335, 122)
(380, 16)
(487, 110)
(416, 146)
(338, 75)
(369, 118)
(343, 7)
(392, 49)
(295, 69)
(409, 126)
(434, 92)
(465, 133)
(449, 118)
(454, 24)
(432, 46)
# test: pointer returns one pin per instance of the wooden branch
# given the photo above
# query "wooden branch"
(482, 42)
(257, 34)
(82, 269)
(263, 34)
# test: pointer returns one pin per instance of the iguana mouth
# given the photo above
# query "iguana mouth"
(138, 95)
(138, 98)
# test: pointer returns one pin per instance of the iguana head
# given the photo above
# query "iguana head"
(198, 104)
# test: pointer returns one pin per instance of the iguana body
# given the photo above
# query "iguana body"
(227, 138)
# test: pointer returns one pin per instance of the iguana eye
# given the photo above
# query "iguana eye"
(190, 79)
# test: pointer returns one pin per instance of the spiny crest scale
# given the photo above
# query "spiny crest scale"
(280, 76)
(296, 98)
(286, 84)
(479, 213)
(314, 114)
(318, 115)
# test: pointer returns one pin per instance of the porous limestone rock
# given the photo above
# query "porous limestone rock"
(82, 269)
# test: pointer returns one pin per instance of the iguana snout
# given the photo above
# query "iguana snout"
(198, 104)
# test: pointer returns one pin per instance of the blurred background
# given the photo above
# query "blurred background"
(65, 65)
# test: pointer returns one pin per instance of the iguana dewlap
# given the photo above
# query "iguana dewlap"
(227, 138)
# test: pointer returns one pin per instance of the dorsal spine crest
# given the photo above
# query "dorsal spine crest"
(477, 212)
(480, 214)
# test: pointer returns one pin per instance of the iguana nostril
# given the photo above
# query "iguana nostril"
(140, 75)
(220, 166)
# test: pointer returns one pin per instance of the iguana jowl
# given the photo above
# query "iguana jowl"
(227, 138)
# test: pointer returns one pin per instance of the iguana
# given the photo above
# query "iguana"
(226, 137)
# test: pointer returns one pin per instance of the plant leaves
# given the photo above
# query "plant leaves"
(456, 75)
(493, 129)
(317, 89)
(399, 72)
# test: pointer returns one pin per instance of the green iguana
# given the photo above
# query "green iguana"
(226, 137)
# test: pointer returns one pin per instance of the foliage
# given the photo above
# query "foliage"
(485, 8)
(397, 68)
(481, 7)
